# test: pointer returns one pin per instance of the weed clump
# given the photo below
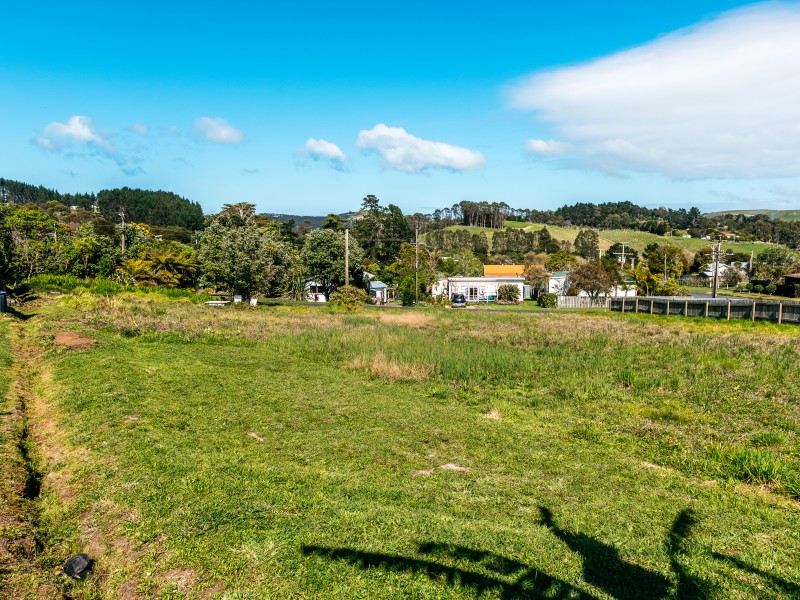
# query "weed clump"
(760, 466)
(348, 297)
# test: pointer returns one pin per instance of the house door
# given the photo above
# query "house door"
(472, 294)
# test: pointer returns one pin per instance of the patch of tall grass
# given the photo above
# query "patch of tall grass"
(761, 466)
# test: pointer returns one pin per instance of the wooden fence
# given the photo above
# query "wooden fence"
(715, 308)
(581, 302)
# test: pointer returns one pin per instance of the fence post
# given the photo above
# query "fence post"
(652, 302)
(667, 308)
(636, 310)
(753, 315)
(729, 310)
(780, 312)
(686, 309)
(707, 303)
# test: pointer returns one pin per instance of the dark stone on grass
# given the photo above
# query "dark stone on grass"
(78, 566)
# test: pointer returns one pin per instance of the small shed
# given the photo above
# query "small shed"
(379, 290)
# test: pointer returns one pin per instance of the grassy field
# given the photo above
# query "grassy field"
(637, 240)
(289, 452)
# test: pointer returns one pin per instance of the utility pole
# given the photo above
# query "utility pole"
(716, 254)
(621, 255)
(347, 257)
(416, 264)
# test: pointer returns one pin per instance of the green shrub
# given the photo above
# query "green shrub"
(104, 287)
(771, 289)
(749, 287)
(55, 283)
(348, 297)
(508, 293)
(758, 288)
(548, 300)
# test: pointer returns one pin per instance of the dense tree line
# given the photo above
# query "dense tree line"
(620, 215)
(17, 192)
(156, 208)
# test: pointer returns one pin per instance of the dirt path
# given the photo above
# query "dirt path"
(21, 574)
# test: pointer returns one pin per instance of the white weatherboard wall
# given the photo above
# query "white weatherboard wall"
(482, 289)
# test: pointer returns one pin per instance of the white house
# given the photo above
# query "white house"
(314, 292)
(478, 289)
(558, 284)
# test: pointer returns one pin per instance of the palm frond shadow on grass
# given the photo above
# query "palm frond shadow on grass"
(531, 583)
(603, 567)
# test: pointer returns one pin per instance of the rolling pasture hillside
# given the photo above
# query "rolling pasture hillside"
(292, 452)
(637, 240)
(776, 215)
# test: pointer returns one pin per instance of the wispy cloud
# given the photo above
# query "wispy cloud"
(721, 99)
(139, 128)
(546, 147)
(77, 131)
(79, 138)
(402, 151)
(218, 130)
(789, 197)
(324, 151)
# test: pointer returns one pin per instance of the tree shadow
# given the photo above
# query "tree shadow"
(791, 589)
(689, 586)
(603, 567)
(513, 580)
(18, 314)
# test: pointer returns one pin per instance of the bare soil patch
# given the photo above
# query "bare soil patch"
(73, 340)
(493, 415)
(445, 467)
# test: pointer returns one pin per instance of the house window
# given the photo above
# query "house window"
(472, 294)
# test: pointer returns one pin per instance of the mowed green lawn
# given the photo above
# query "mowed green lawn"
(289, 452)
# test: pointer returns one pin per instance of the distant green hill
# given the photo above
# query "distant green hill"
(316, 221)
(777, 215)
(637, 240)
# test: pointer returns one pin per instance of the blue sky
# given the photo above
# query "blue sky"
(306, 107)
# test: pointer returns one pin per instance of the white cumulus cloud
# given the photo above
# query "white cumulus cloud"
(721, 99)
(402, 151)
(323, 150)
(78, 130)
(218, 130)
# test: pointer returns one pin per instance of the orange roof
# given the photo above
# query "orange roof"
(503, 270)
